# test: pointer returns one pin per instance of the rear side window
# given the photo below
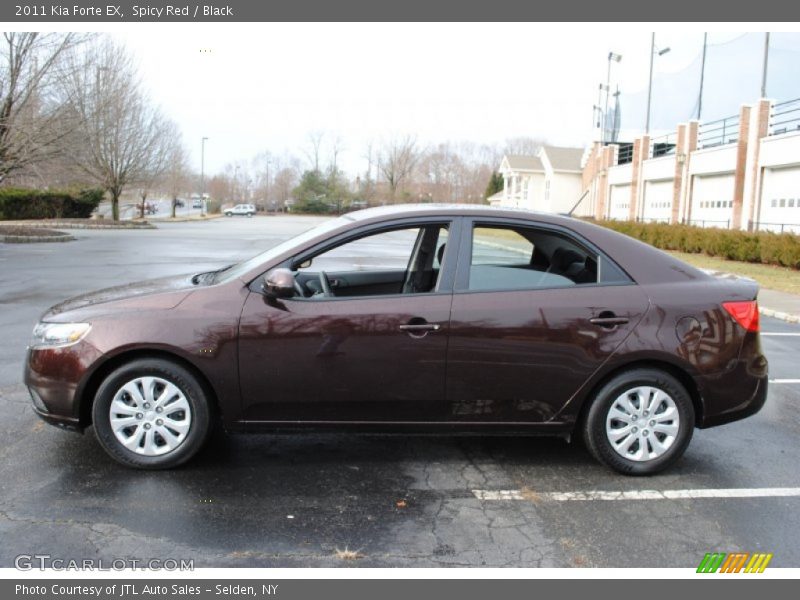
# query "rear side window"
(512, 257)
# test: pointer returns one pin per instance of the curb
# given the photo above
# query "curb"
(95, 224)
(36, 239)
(187, 220)
(777, 314)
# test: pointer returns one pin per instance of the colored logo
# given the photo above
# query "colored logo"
(735, 562)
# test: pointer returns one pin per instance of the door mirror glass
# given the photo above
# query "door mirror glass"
(305, 264)
(279, 283)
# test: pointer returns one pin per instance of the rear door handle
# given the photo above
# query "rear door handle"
(608, 320)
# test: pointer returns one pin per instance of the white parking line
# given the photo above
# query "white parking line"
(635, 494)
(781, 333)
(784, 380)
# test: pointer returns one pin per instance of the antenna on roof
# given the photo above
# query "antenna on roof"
(571, 210)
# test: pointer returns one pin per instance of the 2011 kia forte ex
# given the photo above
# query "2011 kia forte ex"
(428, 318)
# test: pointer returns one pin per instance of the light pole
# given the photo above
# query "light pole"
(268, 204)
(203, 176)
(702, 76)
(764, 68)
(653, 51)
(612, 56)
(236, 184)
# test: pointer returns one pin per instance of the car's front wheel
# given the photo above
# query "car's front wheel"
(151, 414)
(640, 422)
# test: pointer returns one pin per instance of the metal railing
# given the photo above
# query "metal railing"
(777, 227)
(709, 223)
(663, 145)
(653, 219)
(625, 153)
(785, 117)
(719, 132)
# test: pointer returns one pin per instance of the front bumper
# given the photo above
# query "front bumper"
(67, 423)
(53, 377)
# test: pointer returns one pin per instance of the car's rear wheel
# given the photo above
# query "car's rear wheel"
(151, 414)
(249, 215)
(228, 214)
(640, 422)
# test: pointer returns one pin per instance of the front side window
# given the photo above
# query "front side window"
(399, 261)
(513, 258)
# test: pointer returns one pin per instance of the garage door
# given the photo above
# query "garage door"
(712, 200)
(619, 203)
(657, 200)
(780, 200)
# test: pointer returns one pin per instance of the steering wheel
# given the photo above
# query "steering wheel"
(325, 284)
(299, 289)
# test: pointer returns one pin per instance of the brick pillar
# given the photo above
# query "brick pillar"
(677, 180)
(741, 164)
(641, 152)
(690, 145)
(606, 159)
(759, 128)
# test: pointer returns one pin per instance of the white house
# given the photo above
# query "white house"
(550, 181)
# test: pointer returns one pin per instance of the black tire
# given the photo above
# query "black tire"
(594, 426)
(199, 429)
(249, 215)
(227, 214)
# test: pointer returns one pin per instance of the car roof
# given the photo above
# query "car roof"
(410, 210)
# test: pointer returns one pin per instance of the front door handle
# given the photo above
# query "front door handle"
(417, 329)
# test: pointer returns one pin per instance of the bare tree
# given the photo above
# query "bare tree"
(337, 147)
(315, 148)
(124, 139)
(523, 145)
(177, 174)
(33, 119)
(396, 161)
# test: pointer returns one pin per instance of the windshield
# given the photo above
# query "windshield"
(243, 267)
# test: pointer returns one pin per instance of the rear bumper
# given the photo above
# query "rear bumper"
(745, 409)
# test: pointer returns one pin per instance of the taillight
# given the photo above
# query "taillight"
(744, 313)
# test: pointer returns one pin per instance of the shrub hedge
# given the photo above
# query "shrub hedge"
(21, 203)
(761, 247)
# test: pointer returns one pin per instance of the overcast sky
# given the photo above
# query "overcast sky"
(256, 87)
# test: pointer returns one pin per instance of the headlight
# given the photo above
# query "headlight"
(49, 335)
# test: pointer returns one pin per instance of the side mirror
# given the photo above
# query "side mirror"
(279, 283)
(305, 264)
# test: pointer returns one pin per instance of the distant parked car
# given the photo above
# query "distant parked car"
(179, 203)
(241, 209)
(197, 204)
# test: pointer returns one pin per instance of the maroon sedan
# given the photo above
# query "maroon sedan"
(413, 318)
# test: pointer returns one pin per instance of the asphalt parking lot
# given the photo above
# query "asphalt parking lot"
(264, 500)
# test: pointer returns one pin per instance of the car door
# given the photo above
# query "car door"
(377, 356)
(535, 313)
